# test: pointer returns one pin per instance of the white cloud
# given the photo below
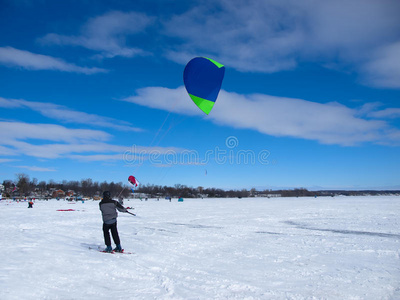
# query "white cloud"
(20, 58)
(37, 169)
(106, 34)
(164, 98)
(33, 139)
(241, 34)
(270, 36)
(58, 150)
(373, 110)
(66, 115)
(98, 157)
(51, 141)
(11, 131)
(4, 160)
(329, 123)
(388, 113)
(383, 67)
(259, 36)
(6, 151)
(350, 29)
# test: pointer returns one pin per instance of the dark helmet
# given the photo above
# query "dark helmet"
(106, 194)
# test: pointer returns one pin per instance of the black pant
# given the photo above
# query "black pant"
(114, 232)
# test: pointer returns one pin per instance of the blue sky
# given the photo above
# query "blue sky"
(94, 89)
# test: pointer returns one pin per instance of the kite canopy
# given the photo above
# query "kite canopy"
(132, 180)
(203, 79)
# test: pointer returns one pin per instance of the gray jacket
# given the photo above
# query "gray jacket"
(109, 208)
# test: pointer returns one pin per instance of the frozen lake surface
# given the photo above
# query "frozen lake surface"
(256, 248)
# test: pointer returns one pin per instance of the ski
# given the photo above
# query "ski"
(112, 252)
(123, 252)
(117, 252)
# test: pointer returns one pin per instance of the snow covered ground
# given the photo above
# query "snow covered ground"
(283, 248)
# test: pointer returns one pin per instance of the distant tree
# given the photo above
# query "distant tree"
(23, 184)
(200, 189)
(86, 185)
(8, 185)
(42, 187)
(103, 187)
(95, 189)
(33, 184)
(114, 189)
(51, 184)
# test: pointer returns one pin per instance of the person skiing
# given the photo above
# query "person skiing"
(109, 213)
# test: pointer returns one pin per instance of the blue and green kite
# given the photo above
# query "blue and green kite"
(203, 79)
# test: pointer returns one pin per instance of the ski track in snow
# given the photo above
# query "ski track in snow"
(285, 248)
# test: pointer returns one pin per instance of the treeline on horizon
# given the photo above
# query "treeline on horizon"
(85, 187)
(89, 188)
(189, 192)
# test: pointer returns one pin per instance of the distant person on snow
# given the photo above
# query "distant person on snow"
(30, 204)
(109, 209)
